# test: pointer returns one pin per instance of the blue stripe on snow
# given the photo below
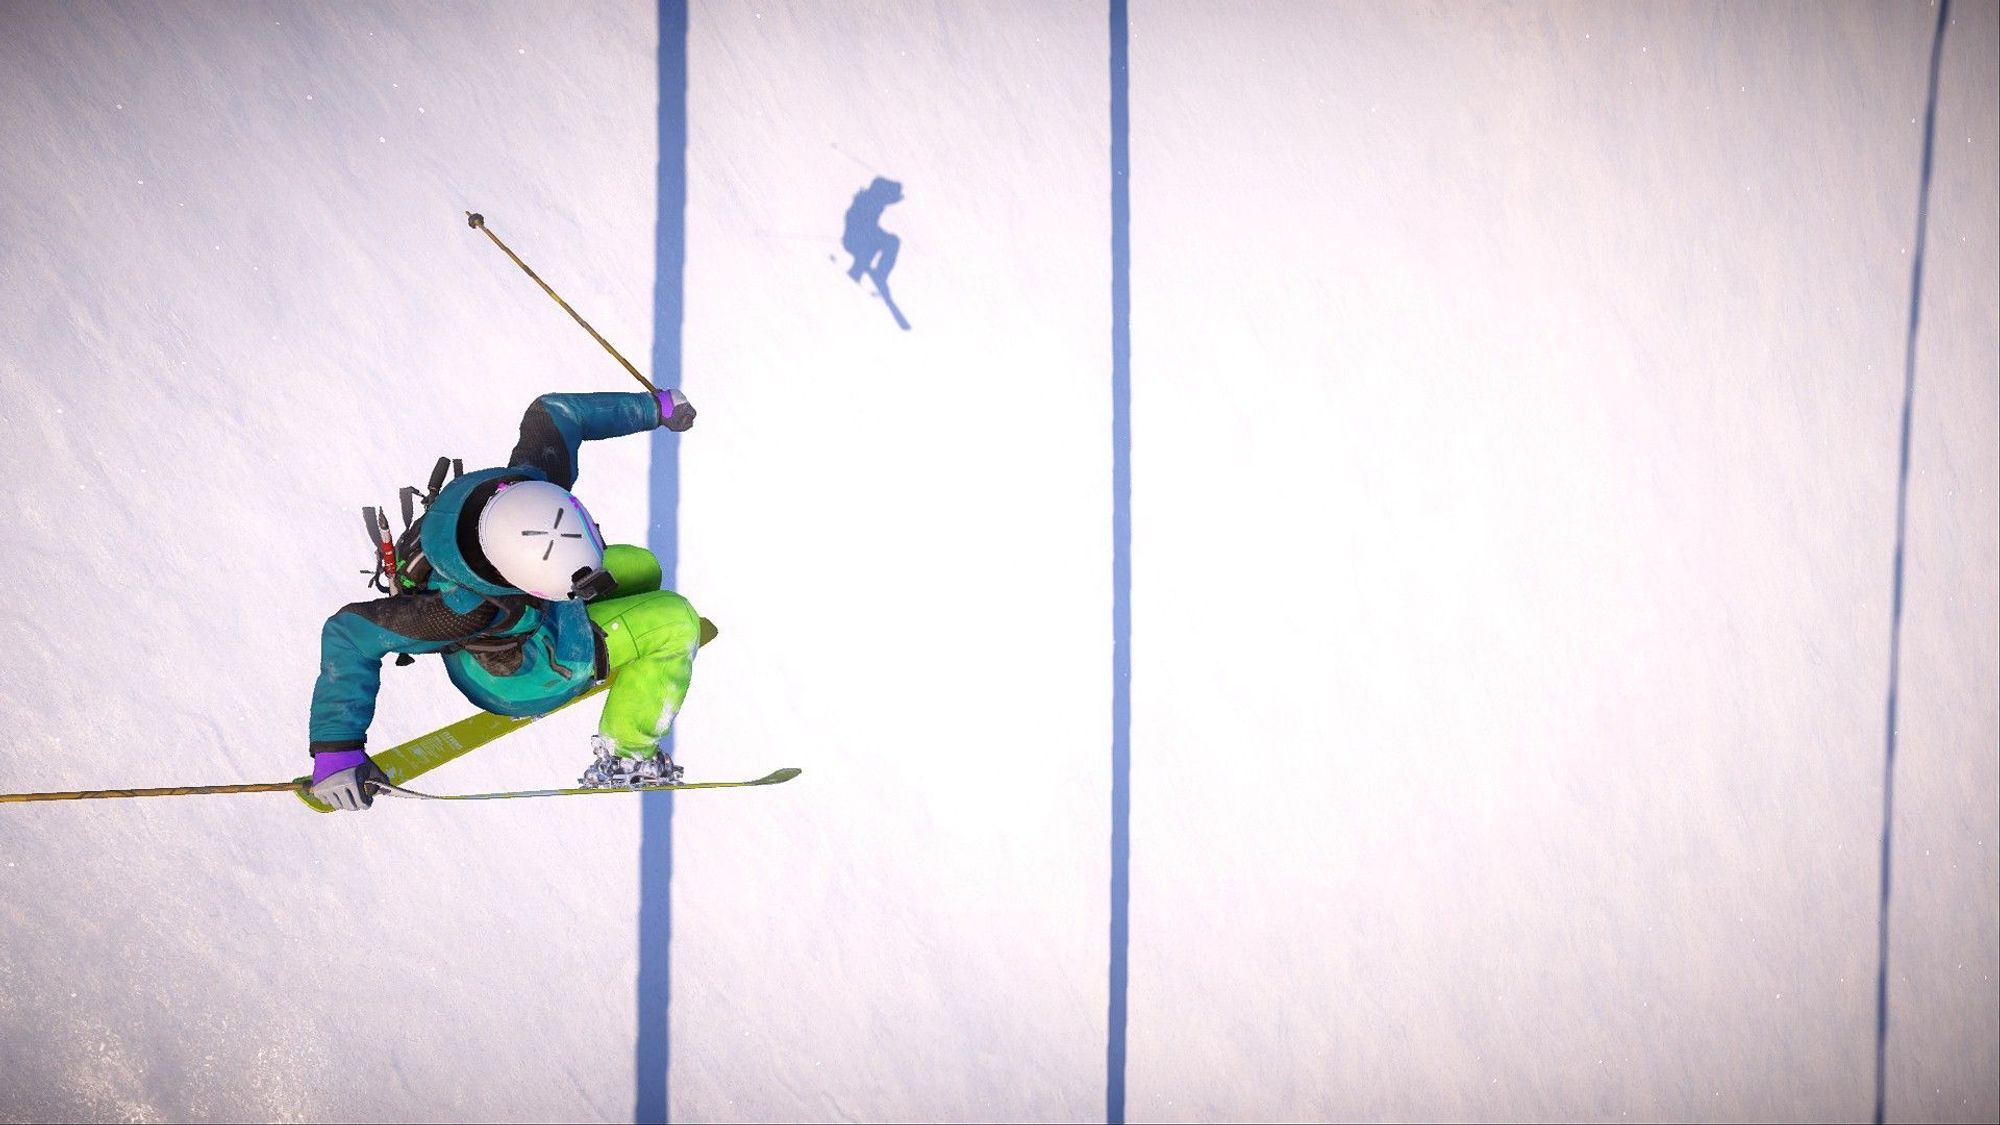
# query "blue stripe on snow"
(1896, 595)
(1121, 568)
(651, 1049)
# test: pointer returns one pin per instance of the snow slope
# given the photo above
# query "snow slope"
(1548, 515)
(241, 301)
(1516, 405)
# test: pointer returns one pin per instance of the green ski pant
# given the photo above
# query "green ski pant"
(651, 636)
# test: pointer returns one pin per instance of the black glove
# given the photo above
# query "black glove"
(676, 413)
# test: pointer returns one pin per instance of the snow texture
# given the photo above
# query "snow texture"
(1516, 405)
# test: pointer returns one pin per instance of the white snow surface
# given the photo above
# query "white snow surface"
(1516, 406)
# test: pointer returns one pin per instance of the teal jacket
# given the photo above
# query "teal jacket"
(508, 652)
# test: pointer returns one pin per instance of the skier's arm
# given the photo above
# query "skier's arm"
(555, 425)
(351, 649)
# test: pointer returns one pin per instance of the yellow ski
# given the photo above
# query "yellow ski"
(407, 761)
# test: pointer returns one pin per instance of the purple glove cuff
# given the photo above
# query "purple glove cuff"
(329, 762)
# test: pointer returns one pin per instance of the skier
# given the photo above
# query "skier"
(513, 586)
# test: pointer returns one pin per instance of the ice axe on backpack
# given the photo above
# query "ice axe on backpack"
(399, 562)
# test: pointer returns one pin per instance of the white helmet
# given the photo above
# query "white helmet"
(539, 538)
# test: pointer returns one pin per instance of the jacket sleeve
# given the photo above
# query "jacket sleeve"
(351, 648)
(354, 641)
(555, 425)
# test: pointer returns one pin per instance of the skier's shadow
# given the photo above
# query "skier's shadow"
(874, 249)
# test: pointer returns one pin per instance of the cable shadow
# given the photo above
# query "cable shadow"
(1896, 595)
(651, 1048)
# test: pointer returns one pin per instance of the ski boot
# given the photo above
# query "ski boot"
(612, 770)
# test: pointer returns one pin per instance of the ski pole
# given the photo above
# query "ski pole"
(478, 222)
(170, 791)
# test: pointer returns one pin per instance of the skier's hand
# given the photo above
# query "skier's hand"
(676, 413)
(346, 779)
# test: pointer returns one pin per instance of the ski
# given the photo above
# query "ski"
(407, 761)
(775, 777)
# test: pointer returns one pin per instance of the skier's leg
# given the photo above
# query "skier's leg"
(651, 640)
(887, 260)
(635, 570)
(861, 252)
